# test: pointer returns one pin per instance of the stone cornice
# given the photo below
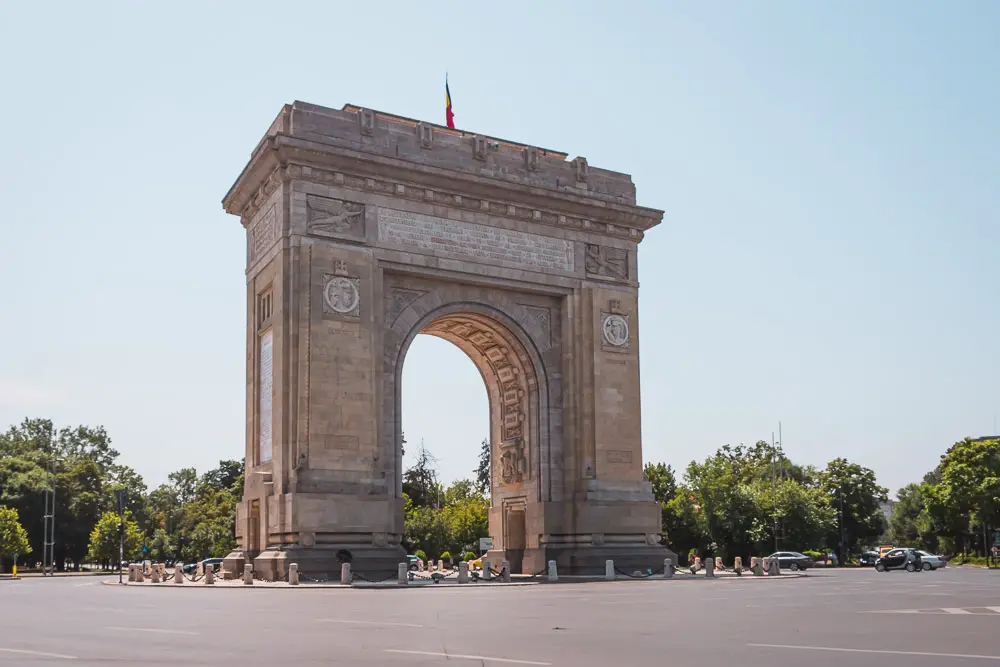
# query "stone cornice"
(335, 165)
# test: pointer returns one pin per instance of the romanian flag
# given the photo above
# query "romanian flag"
(448, 113)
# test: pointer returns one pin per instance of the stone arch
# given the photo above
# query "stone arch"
(514, 353)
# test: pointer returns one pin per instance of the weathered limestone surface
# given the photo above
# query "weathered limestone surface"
(365, 229)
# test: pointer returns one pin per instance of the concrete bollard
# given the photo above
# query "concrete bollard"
(553, 571)
(609, 570)
(131, 572)
(718, 564)
(345, 574)
(487, 572)
(178, 573)
(440, 565)
(139, 577)
(248, 575)
(200, 570)
(154, 575)
(505, 571)
(463, 572)
(668, 568)
(709, 567)
(697, 563)
(758, 567)
(209, 576)
(775, 568)
(402, 574)
(738, 566)
(293, 574)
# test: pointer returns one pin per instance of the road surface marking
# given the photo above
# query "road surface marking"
(996, 609)
(38, 653)
(89, 583)
(165, 632)
(456, 656)
(955, 610)
(337, 620)
(970, 656)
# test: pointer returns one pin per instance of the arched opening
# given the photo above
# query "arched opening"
(511, 382)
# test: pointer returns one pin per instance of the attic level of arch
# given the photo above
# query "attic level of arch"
(399, 189)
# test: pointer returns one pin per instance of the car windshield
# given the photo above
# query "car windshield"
(924, 553)
(796, 554)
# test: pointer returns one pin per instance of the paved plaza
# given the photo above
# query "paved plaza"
(843, 618)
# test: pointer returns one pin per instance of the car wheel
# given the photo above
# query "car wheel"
(927, 567)
(879, 567)
(793, 566)
(910, 567)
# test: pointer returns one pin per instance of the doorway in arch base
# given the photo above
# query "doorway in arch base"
(366, 229)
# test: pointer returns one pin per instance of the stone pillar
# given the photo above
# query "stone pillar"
(463, 572)
(505, 571)
(609, 570)
(440, 565)
(345, 574)
(131, 572)
(709, 567)
(758, 567)
(210, 576)
(668, 568)
(738, 566)
(553, 571)
(139, 577)
(697, 563)
(775, 567)
(178, 573)
(200, 570)
(402, 574)
(293, 574)
(718, 563)
(154, 575)
(487, 572)
(248, 575)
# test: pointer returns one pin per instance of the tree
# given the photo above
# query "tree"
(104, 538)
(229, 475)
(13, 537)
(853, 492)
(185, 481)
(903, 524)
(420, 480)
(483, 469)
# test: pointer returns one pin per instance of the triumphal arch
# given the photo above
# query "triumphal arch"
(365, 229)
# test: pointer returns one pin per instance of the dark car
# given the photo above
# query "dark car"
(792, 560)
(868, 558)
(897, 559)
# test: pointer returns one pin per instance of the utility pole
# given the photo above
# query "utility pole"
(49, 525)
(840, 492)
(120, 493)
(774, 492)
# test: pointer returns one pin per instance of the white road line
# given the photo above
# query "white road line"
(338, 620)
(456, 656)
(955, 610)
(89, 583)
(38, 653)
(158, 630)
(879, 652)
(996, 609)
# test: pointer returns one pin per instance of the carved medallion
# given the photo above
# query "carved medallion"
(615, 329)
(325, 216)
(341, 295)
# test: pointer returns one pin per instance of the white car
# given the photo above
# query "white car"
(930, 561)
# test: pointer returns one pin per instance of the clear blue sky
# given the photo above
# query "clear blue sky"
(830, 174)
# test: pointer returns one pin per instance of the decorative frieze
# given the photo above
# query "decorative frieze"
(605, 262)
(333, 217)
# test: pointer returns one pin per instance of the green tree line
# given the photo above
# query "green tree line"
(189, 517)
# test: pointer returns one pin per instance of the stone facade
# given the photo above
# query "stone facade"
(365, 229)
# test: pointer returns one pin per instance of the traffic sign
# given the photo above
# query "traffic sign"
(485, 543)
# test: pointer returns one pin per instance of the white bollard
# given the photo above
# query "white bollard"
(609, 570)
(248, 575)
(440, 565)
(668, 568)
(553, 571)
(505, 571)
(293, 574)
(178, 573)
(403, 574)
(463, 572)
(487, 572)
(345, 574)
(709, 567)
(209, 576)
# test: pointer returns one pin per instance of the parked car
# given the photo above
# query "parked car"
(930, 561)
(205, 564)
(792, 560)
(868, 558)
(897, 559)
(414, 562)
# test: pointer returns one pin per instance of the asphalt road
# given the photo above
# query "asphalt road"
(842, 619)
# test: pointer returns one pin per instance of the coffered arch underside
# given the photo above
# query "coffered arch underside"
(512, 340)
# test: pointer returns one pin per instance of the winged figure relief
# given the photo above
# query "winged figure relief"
(331, 215)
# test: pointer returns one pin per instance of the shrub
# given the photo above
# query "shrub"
(469, 556)
(692, 555)
(446, 557)
(814, 554)
(419, 553)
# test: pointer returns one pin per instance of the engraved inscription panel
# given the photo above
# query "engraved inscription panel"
(266, 397)
(619, 456)
(415, 231)
(263, 232)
